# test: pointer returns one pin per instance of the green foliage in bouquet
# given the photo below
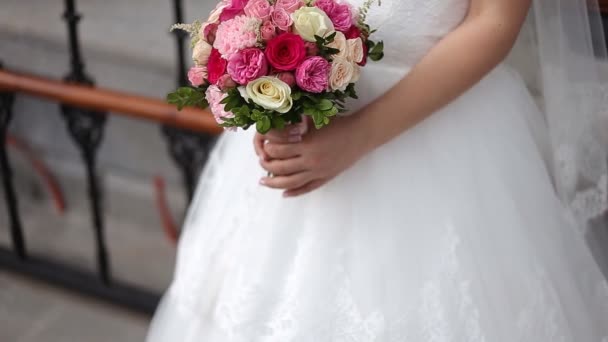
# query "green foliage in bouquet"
(321, 107)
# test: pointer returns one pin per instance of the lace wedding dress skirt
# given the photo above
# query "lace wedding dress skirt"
(450, 232)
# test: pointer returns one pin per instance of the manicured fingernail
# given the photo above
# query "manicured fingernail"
(294, 138)
(263, 181)
(266, 142)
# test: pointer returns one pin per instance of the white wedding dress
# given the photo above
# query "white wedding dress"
(450, 232)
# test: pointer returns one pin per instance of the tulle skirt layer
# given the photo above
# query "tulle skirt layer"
(450, 232)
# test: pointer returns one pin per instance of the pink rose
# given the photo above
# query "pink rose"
(288, 78)
(247, 65)
(282, 19)
(326, 6)
(197, 75)
(214, 96)
(235, 8)
(289, 5)
(268, 31)
(216, 67)
(342, 17)
(260, 9)
(313, 74)
(209, 31)
(226, 82)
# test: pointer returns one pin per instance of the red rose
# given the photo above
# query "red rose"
(216, 67)
(286, 51)
(353, 32)
(365, 53)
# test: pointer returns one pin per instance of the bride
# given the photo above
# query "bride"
(445, 208)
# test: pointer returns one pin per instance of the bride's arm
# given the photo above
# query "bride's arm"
(453, 66)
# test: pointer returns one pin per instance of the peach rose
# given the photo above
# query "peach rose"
(342, 73)
(341, 44)
(355, 50)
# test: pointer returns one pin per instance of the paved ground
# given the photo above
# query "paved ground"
(32, 312)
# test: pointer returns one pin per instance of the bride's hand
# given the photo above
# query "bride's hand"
(301, 167)
(291, 134)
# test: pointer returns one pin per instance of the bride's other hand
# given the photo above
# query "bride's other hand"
(289, 135)
(319, 157)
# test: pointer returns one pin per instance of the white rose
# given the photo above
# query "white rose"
(342, 73)
(201, 53)
(340, 44)
(355, 50)
(309, 22)
(269, 92)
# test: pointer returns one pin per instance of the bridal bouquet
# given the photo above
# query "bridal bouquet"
(268, 62)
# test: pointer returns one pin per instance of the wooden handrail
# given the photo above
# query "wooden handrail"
(109, 101)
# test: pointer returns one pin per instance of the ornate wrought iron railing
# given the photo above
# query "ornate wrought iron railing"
(85, 109)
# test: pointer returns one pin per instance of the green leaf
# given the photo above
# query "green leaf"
(278, 122)
(377, 52)
(264, 125)
(331, 37)
(325, 104)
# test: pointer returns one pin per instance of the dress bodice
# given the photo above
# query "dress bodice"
(410, 28)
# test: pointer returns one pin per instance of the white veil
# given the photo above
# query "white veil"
(563, 53)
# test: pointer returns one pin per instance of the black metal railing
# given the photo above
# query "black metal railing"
(188, 149)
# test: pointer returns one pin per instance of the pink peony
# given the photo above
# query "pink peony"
(260, 9)
(268, 31)
(326, 6)
(282, 19)
(235, 8)
(313, 75)
(247, 65)
(197, 75)
(288, 5)
(342, 17)
(288, 78)
(226, 82)
(214, 96)
(216, 66)
(341, 14)
(236, 34)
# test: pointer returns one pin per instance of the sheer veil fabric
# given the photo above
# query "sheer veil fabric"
(562, 54)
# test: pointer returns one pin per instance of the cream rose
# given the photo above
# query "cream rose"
(340, 44)
(201, 53)
(270, 93)
(310, 22)
(355, 50)
(342, 73)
